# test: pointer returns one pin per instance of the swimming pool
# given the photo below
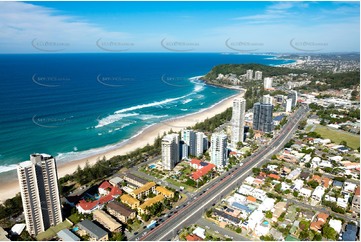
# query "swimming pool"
(75, 229)
(152, 166)
(265, 222)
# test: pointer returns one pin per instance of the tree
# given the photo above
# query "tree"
(329, 232)
(269, 214)
(317, 237)
(117, 237)
(308, 165)
(256, 171)
(312, 184)
(343, 142)
(267, 238)
(278, 187)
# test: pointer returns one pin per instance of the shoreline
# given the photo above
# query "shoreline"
(10, 187)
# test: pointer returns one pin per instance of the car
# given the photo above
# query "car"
(136, 233)
(207, 227)
(216, 232)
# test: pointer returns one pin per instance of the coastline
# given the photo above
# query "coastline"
(9, 187)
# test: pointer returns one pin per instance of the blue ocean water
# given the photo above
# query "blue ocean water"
(75, 105)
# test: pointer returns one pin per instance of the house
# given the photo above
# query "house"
(249, 180)
(326, 182)
(318, 193)
(316, 178)
(262, 229)
(204, 170)
(17, 229)
(134, 180)
(273, 176)
(298, 184)
(130, 201)
(336, 225)
(294, 174)
(67, 235)
(277, 235)
(193, 237)
(337, 184)
(278, 209)
(350, 233)
(245, 189)
(105, 188)
(143, 190)
(94, 231)
(200, 232)
(107, 221)
(254, 219)
(267, 204)
(285, 186)
(142, 209)
(349, 187)
(321, 220)
(307, 214)
(342, 202)
(259, 194)
(305, 192)
(164, 191)
(111, 192)
(355, 206)
(225, 217)
(291, 214)
(198, 164)
(120, 211)
(304, 175)
(251, 199)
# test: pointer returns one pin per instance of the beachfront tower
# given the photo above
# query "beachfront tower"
(189, 137)
(219, 149)
(267, 82)
(238, 112)
(249, 74)
(38, 179)
(170, 151)
(200, 136)
(258, 75)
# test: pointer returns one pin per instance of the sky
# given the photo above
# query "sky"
(245, 27)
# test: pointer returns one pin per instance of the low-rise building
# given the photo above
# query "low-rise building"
(164, 191)
(254, 219)
(67, 235)
(279, 208)
(144, 190)
(294, 174)
(305, 192)
(336, 225)
(349, 187)
(321, 220)
(87, 227)
(222, 216)
(350, 233)
(130, 201)
(107, 221)
(121, 211)
(318, 193)
(142, 209)
(134, 180)
(3, 235)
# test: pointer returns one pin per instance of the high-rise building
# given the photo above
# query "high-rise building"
(205, 143)
(288, 105)
(262, 117)
(219, 149)
(279, 99)
(238, 113)
(189, 137)
(267, 99)
(258, 75)
(200, 137)
(184, 150)
(249, 74)
(38, 180)
(267, 82)
(170, 151)
(293, 95)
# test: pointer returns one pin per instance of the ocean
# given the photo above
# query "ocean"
(75, 105)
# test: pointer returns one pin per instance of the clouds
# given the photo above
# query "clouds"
(33, 28)
(22, 23)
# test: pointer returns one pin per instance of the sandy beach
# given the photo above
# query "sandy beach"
(9, 187)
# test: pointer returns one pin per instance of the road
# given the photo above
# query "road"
(218, 188)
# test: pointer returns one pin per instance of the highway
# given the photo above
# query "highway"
(190, 211)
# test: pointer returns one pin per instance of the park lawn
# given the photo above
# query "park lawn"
(52, 231)
(337, 136)
(179, 184)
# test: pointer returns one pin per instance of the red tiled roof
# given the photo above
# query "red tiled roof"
(87, 205)
(274, 176)
(233, 153)
(115, 191)
(203, 171)
(193, 237)
(251, 199)
(105, 185)
(196, 162)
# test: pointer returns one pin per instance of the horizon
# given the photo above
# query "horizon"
(180, 27)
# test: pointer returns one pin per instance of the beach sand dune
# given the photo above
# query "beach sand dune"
(10, 187)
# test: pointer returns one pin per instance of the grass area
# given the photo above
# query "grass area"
(179, 184)
(75, 218)
(52, 231)
(337, 136)
(136, 225)
(308, 128)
